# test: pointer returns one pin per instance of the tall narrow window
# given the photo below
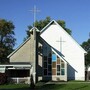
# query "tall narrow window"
(62, 68)
(62, 71)
(45, 64)
(53, 71)
(45, 71)
(54, 57)
(58, 69)
(53, 64)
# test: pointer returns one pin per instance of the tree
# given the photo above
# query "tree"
(42, 23)
(7, 40)
(86, 46)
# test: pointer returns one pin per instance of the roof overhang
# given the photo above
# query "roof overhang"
(19, 66)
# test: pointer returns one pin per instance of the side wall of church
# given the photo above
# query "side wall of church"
(25, 53)
(70, 50)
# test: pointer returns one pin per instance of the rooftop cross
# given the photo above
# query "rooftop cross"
(34, 10)
(60, 41)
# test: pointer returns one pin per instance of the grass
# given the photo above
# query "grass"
(67, 86)
(15, 87)
(43, 86)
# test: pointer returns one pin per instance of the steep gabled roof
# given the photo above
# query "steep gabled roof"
(54, 22)
(18, 48)
(34, 28)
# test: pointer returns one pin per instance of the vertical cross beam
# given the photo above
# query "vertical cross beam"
(60, 43)
(35, 10)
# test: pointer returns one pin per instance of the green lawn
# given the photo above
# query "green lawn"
(15, 87)
(68, 86)
(40, 86)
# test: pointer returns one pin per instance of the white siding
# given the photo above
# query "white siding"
(72, 52)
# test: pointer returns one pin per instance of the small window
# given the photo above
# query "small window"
(62, 65)
(49, 73)
(53, 71)
(58, 73)
(58, 67)
(45, 71)
(49, 60)
(58, 61)
(53, 64)
(54, 57)
(45, 64)
(62, 71)
(49, 68)
(45, 58)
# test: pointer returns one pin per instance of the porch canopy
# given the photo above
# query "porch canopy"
(4, 67)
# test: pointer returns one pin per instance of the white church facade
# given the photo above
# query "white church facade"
(50, 54)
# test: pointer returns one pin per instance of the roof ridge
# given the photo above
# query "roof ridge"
(63, 31)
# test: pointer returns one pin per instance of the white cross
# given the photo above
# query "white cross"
(60, 43)
(34, 10)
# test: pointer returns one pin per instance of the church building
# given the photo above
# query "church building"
(50, 55)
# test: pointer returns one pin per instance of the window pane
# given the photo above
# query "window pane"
(58, 73)
(54, 57)
(49, 73)
(53, 64)
(45, 58)
(58, 67)
(62, 71)
(45, 71)
(62, 65)
(45, 64)
(53, 71)
(58, 60)
(49, 68)
(49, 60)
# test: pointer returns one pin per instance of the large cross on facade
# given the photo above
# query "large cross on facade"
(60, 43)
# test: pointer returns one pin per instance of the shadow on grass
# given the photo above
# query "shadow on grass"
(44, 87)
(50, 87)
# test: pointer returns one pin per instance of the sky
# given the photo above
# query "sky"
(76, 14)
